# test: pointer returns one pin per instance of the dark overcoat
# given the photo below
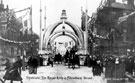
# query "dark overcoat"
(12, 73)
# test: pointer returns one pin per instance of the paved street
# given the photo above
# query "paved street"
(61, 74)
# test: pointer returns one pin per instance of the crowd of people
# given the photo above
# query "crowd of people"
(96, 64)
(111, 66)
(15, 66)
(31, 62)
(114, 67)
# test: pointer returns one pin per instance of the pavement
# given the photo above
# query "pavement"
(61, 74)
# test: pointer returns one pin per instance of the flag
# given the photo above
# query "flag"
(30, 17)
(30, 31)
(26, 22)
(83, 20)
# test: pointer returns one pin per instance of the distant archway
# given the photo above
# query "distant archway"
(60, 33)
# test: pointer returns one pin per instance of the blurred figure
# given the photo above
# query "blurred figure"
(33, 64)
(86, 60)
(119, 71)
(89, 61)
(66, 56)
(129, 65)
(7, 68)
(20, 63)
(98, 68)
(58, 58)
(94, 61)
(119, 68)
(109, 67)
(12, 72)
(41, 60)
(7, 64)
(50, 60)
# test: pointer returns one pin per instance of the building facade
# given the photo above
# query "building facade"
(109, 35)
(7, 47)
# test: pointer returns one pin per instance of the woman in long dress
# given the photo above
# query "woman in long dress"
(12, 73)
(7, 67)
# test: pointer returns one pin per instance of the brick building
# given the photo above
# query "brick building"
(106, 25)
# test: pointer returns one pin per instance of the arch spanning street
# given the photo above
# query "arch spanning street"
(67, 33)
(50, 34)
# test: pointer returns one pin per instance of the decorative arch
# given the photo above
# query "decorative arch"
(60, 33)
(75, 28)
(77, 31)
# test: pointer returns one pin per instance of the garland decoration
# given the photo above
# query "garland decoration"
(16, 42)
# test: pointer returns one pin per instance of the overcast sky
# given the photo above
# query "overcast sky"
(54, 8)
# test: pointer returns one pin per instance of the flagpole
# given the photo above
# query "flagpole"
(40, 44)
(44, 30)
(31, 20)
(45, 20)
(86, 31)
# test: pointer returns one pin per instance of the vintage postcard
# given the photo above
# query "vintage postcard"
(67, 41)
